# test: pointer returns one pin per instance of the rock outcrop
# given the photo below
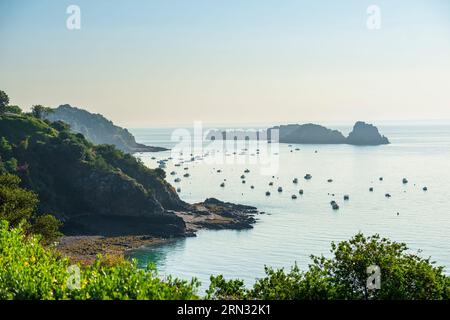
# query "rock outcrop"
(216, 214)
(307, 134)
(364, 134)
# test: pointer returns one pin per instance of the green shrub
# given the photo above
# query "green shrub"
(16, 204)
(222, 289)
(27, 270)
(5, 148)
(30, 271)
(18, 207)
(4, 101)
(48, 227)
(12, 109)
(404, 275)
(40, 112)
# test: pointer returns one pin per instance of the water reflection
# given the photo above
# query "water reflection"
(157, 253)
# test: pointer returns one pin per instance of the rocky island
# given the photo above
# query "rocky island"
(309, 133)
(363, 134)
(98, 130)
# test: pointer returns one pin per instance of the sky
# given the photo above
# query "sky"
(153, 63)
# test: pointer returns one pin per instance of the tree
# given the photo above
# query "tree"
(18, 208)
(4, 99)
(16, 204)
(11, 165)
(13, 109)
(47, 226)
(404, 275)
(40, 112)
(5, 148)
(5, 107)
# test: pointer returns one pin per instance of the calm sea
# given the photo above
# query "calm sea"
(291, 230)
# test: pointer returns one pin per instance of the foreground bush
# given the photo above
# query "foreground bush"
(18, 207)
(404, 275)
(30, 271)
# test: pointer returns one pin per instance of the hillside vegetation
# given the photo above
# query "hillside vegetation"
(97, 129)
(92, 189)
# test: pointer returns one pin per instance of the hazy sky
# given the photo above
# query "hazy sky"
(168, 62)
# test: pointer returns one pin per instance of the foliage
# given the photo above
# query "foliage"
(4, 101)
(47, 226)
(5, 148)
(30, 271)
(11, 109)
(95, 127)
(40, 112)
(222, 289)
(404, 275)
(11, 165)
(18, 206)
(16, 128)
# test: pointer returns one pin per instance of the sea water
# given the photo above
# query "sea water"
(290, 230)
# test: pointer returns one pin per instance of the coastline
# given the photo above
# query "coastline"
(210, 214)
(85, 249)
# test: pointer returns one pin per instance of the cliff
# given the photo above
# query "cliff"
(97, 190)
(98, 130)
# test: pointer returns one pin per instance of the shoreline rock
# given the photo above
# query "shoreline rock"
(85, 249)
(211, 214)
(218, 215)
(364, 134)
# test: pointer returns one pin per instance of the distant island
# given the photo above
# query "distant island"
(98, 130)
(366, 134)
(363, 134)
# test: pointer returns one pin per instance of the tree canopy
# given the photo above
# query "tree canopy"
(4, 99)
(403, 275)
(18, 208)
(40, 111)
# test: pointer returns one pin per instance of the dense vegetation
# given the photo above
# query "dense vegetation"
(92, 189)
(30, 271)
(18, 208)
(97, 129)
(404, 276)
